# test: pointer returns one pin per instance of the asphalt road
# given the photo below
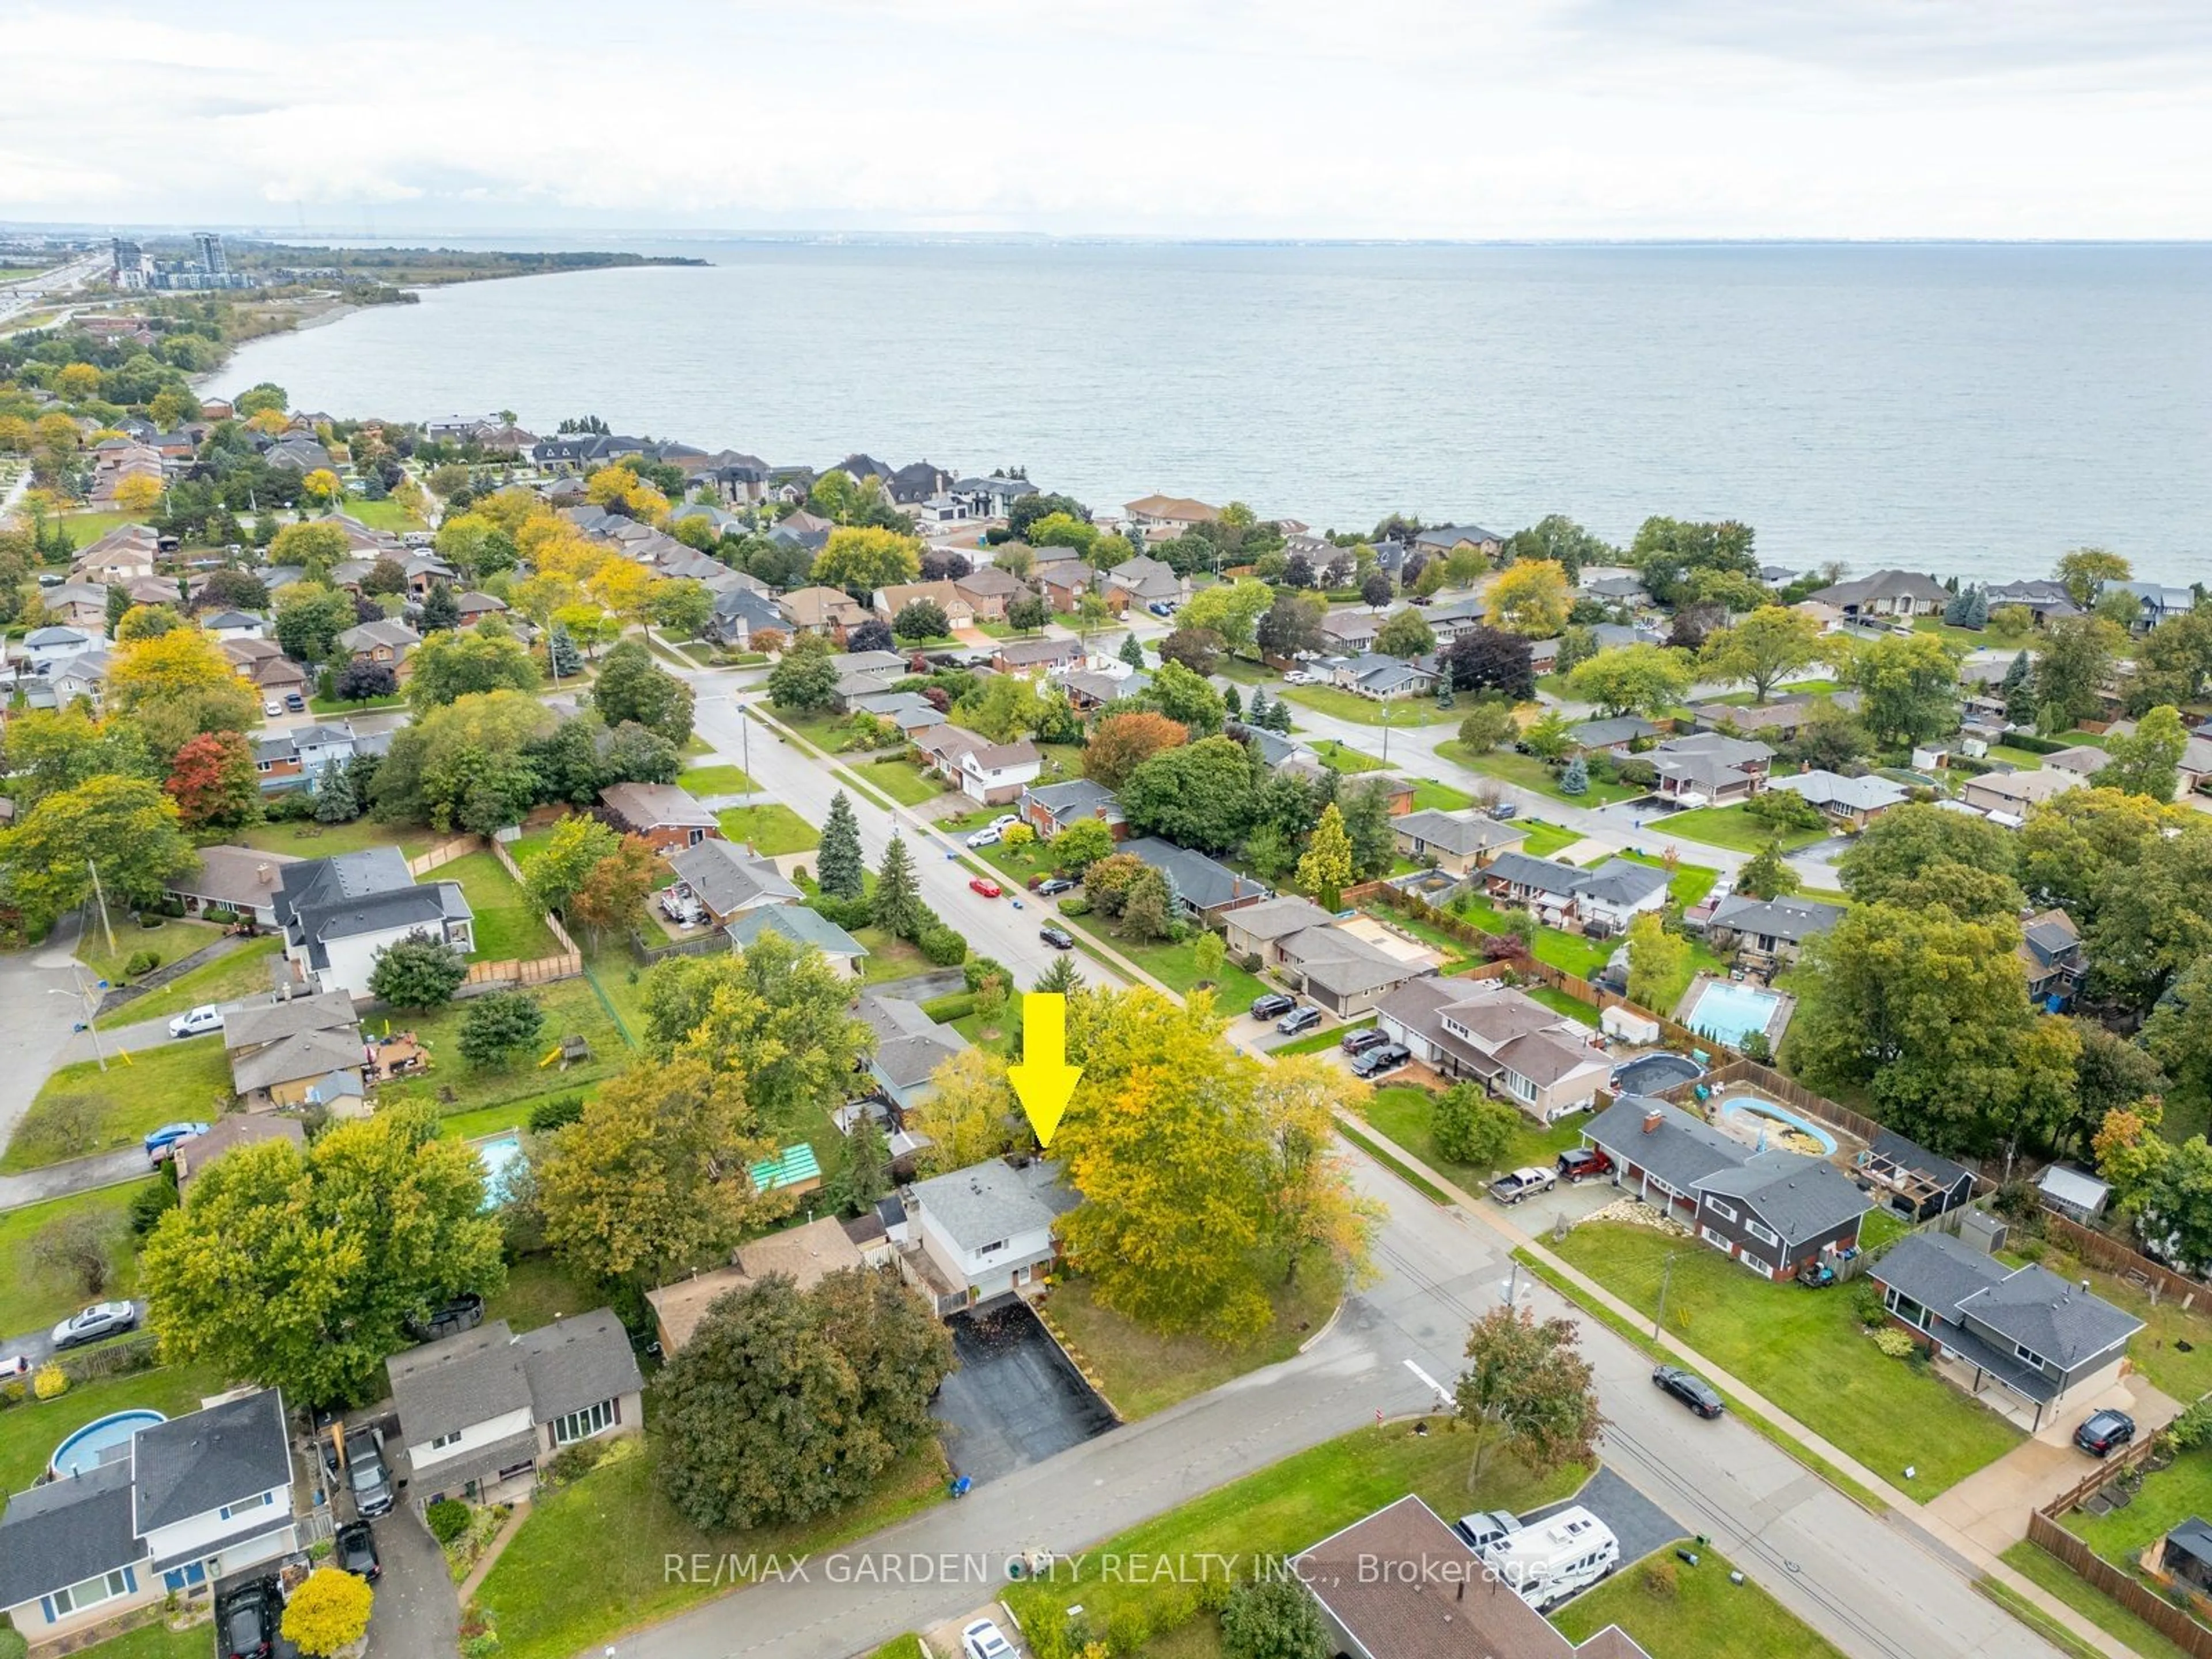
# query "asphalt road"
(1877, 1590)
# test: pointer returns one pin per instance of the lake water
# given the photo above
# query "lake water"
(1974, 408)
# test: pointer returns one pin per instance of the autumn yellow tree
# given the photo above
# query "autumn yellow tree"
(322, 485)
(1312, 1206)
(329, 1612)
(1166, 1144)
(623, 587)
(620, 486)
(77, 381)
(1326, 870)
(175, 685)
(1531, 599)
(271, 423)
(968, 1114)
(138, 493)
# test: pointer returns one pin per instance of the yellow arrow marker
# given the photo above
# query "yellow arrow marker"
(1044, 1079)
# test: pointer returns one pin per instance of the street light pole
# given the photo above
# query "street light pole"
(1666, 1277)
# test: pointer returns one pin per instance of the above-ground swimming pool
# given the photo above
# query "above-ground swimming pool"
(83, 1451)
(1754, 1117)
(1652, 1074)
(497, 1155)
(1727, 1012)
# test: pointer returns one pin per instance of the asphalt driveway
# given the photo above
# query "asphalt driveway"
(1640, 1524)
(1016, 1399)
(416, 1612)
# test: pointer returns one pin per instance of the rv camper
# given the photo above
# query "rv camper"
(1546, 1561)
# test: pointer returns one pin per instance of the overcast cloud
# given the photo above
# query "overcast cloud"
(1229, 118)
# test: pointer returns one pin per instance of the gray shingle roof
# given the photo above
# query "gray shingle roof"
(808, 929)
(2052, 1316)
(1794, 920)
(192, 1464)
(1799, 1197)
(575, 1363)
(1681, 1151)
(1203, 882)
(1077, 798)
(988, 1202)
(726, 878)
(656, 805)
(1619, 881)
(66, 1532)
(1936, 1271)
(1459, 832)
(444, 1386)
(1624, 728)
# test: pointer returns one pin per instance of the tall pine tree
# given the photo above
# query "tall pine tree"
(840, 869)
(1131, 653)
(899, 909)
(567, 659)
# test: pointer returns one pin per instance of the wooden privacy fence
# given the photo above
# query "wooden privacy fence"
(2124, 1587)
(566, 963)
(2114, 1257)
(706, 944)
(1790, 1093)
(445, 851)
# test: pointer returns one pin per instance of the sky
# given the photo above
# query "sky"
(1473, 119)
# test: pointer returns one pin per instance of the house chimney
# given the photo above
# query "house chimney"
(1652, 1120)
(265, 873)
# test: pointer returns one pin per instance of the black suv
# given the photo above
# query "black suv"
(1690, 1388)
(244, 1619)
(1274, 1003)
(1358, 1043)
(2104, 1433)
(354, 1549)
(1375, 1062)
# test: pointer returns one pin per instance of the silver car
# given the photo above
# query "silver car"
(101, 1319)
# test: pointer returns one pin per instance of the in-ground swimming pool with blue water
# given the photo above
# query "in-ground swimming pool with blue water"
(1728, 1012)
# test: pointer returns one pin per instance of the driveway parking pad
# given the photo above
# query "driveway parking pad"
(1640, 1524)
(1016, 1398)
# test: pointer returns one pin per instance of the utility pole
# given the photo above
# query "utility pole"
(1666, 1277)
(107, 927)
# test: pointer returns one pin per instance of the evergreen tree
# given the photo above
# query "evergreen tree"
(1061, 977)
(1257, 714)
(1231, 702)
(335, 800)
(442, 612)
(1977, 607)
(899, 909)
(1279, 715)
(1575, 780)
(567, 659)
(1766, 876)
(1131, 653)
(2018, 689)
(839, 869)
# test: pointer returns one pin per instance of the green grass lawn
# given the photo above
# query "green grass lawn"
(1406, 1115)
(903, 781)
(1336, 756)
(1143, 1372)
(32, 1295)
(1546, 838)
(539, 1291)
(29, 1432)
(508, 926)
(1560, 1002)
(382, 515)
(342, 706)
(2048, 1572)
(1805, 1352)
(1703, 1617)
(82, 1109)
(1278, 1511)
(772, 829)
(1813, 688)
(158, 1641)
(1691, 882)
(172, 941)
(718, 780)
(1430, 796)
(571, 1008)
(88, 527)
(1173, 965)
(1571, 953)
(1365, 711)
(889, 959)
(544, 1607)
(1734, 827)
(318, 841)
(1529, 773)
(2167, 1498)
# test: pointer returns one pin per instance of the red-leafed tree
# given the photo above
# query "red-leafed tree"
(1121, 742)
(212, 782)
(614, 887)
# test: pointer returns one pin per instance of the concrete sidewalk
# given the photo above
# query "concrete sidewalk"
(2032, 1480)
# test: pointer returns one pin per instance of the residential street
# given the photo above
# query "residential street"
(1875, 1589)
(40, 1002)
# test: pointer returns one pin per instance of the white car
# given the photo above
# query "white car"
(1297, 676)
(197, 1022)
(13, 1366)
(272, 707)
(987, 836)
(100, 1319)
(1006, 821)
(983, 1640)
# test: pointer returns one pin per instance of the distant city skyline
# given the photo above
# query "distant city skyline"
(1544, 119)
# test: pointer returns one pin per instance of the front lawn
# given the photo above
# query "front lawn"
(1278, 1511)
(32, 1295)
(1546, 838)
(1803, 1350)
(1701, 1616)
(82, 1109)
(1734, 827)
(718, 780)
(1142, 1372)
(508, 926)
(1691, 882)
(387, 514)
(2047, 1572)
(345, 706)
(172, 940)
(772, 829)
(1349, 706)
(591, 1560)
(1336, 756)
(903, 781)
(235, 974)
(572, 1008)
(889, 959)
(1430, 796)
(29, 1432)
(1174, 966)
(1527, 772)
(1406, 1115)
(1571, 953)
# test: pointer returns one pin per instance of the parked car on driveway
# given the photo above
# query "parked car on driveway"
(1375, 1062)
(1053, 887)
(1059, 938)
(160, 1143)
(1485, 1527)
(1297, 1020)
(1583, 1163)
(984, 1640)
(354, 1548)
(245, 1619)
(1504, 810)
(1689, 1387)
(987, 836)
(2104, 1433)
(366, 1475)
(13, 1366)
(101, 1319)
(1274, 1004)
(272, 707)
(988, 889)
(295, 703)
(197, 1022)
(1358, 1043)
(1512, 1188)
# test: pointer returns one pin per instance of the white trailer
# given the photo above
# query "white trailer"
(1546, 1561)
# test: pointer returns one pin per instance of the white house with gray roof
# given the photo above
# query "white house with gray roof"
(810, 930)
(2041, 1340)
(909, 1048)
(986, 1230)
(1601, 901)
(1774, 929)
(340, 914)
(1852, 802)
(1518, 1050)
(479, 1411)
(174, 1508)
(727, 880)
